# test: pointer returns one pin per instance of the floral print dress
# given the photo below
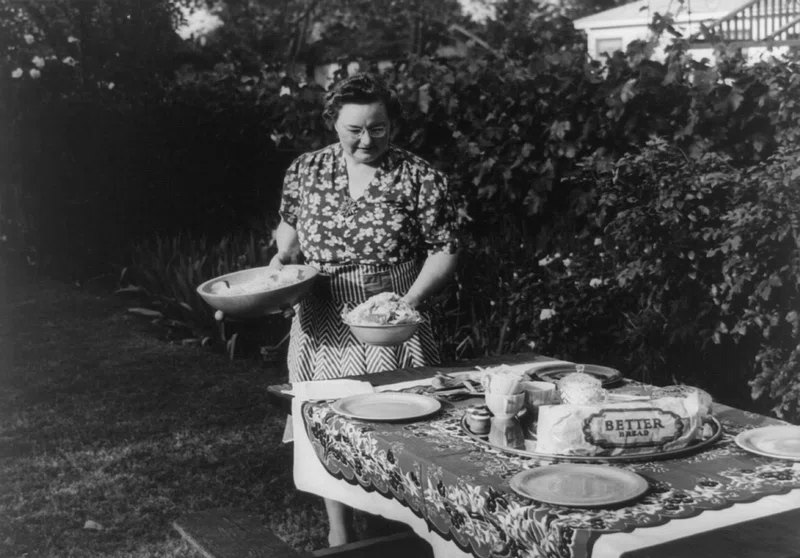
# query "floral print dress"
(375, 243)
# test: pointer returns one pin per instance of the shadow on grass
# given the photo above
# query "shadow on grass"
(100, 421)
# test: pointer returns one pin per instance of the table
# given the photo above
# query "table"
(454, 492)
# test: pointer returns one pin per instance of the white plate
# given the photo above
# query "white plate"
(386, 406)
(779, 441)
(585, 486)
(554, 372)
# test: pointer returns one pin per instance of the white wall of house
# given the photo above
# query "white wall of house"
(616, 28)
(755, 54)
(618, 37)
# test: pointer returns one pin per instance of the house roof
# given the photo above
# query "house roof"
(642, 11)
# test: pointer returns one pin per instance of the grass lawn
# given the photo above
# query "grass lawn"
(101, 420)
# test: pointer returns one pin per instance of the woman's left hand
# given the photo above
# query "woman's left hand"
(413, 302)
(437, 270)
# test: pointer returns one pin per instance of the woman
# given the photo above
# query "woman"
(372, 218)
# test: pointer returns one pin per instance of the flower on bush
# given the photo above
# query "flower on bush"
(546, 314)
(72, 39)
(16, 74)
(29, 39)
(35, 74)
(69, 61)
(547, 260)
(38, 61)
(595, 282)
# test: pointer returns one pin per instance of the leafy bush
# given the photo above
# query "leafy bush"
(164, 275)
(698, 273)
(513, 132)
(660, 207)
(759, 292)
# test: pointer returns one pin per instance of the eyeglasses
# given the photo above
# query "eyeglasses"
(376, 132)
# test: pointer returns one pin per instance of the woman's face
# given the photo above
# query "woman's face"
(363, 131)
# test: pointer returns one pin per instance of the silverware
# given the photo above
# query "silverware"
(445, 382)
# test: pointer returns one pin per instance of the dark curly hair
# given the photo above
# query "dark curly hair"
(361, 89)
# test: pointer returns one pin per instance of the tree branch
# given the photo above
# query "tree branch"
(477, 40)
(311, 5)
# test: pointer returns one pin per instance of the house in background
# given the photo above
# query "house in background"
(759, 27)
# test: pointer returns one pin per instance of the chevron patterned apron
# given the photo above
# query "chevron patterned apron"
(321, 346)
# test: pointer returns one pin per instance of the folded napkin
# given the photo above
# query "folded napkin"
(405, 385)
(328, 389)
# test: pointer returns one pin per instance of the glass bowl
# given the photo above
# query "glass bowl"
(384, 335)
(255, 303)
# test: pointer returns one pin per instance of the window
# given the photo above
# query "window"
(608, 46)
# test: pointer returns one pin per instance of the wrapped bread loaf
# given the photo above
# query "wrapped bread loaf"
(681, 390)
(629, 428)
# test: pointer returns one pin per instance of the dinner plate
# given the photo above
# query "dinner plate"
(554, 372)
(779, 441)
(585, 486)
(386, 406)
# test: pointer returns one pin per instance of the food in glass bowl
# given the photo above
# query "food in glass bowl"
(382, 309)
(384, 320)
(258, 291)
(264, 282)
(579, 388)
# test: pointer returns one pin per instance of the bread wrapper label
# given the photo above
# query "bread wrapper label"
(619, 428)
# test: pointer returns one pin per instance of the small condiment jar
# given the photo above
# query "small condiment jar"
(479, 421)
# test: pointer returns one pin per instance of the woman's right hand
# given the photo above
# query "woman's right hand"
(288, 244)
(279, 260)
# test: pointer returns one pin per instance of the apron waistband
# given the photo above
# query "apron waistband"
(355, 283)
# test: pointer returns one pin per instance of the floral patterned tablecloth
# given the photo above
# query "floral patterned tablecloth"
(460, 486)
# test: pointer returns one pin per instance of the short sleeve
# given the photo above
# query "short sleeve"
(437, 214)
(290, 198)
